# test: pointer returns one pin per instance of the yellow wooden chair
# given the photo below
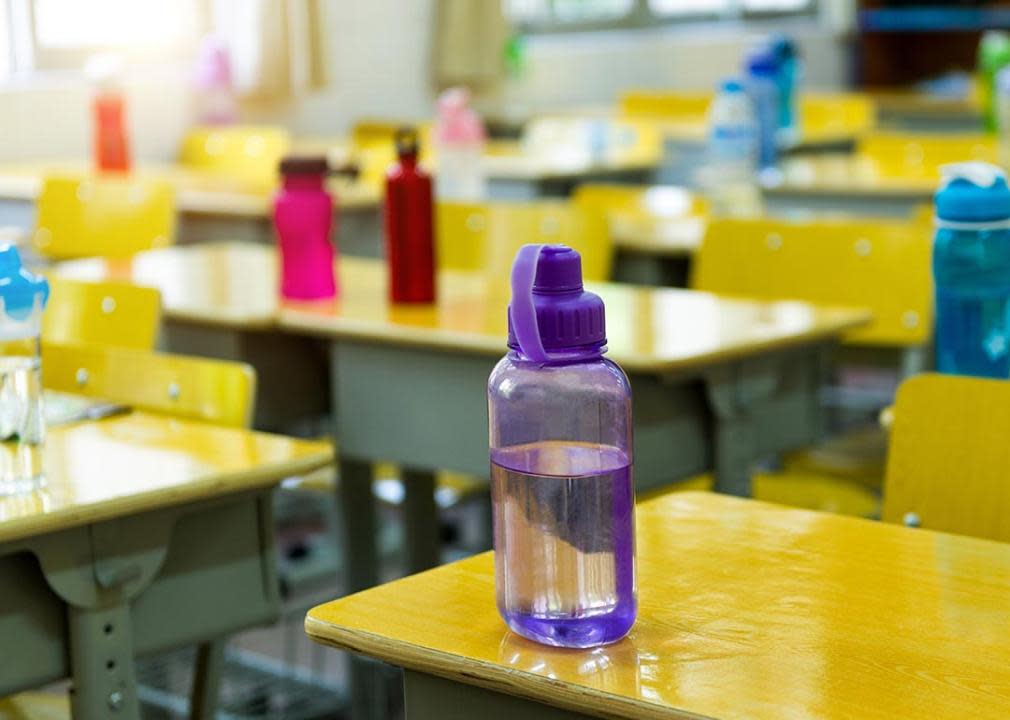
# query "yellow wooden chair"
(103, 216)
(921, 155)
(639, 207)
(882, 265)
(373, 147)
(101, 313)
(948, 458)
(214, 391)
(829, 116)
(484, 237)
(248, 154)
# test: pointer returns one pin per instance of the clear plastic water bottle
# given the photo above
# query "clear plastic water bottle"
(763, 89)
(729, 176)
(459, 139)
(22, 422)
(561, 462)
(971, 271)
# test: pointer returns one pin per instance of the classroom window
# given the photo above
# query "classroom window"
(62, 34)
(568, 11)
(566, 15)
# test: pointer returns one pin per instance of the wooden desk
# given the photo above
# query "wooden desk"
(747, 610)
(151, 533)
(847, 183)
(717, 383)
(211, 206)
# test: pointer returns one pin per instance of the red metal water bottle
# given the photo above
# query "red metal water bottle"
(410, 236)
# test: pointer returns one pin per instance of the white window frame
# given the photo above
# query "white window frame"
(27, 56)
(642, 16)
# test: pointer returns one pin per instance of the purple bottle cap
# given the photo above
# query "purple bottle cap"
(550, 311)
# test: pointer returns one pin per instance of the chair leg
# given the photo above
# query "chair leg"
(207, 680)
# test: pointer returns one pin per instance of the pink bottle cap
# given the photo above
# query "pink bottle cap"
(457, 121)
(213, 65)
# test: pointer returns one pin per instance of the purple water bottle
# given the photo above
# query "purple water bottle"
(561, 462)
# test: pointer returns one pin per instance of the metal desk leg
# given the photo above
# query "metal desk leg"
(207, 680)
(101, 660)
(734, 434)
(421, 523)
(357, 508)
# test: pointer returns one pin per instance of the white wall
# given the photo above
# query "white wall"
(378, 67)
(592, 69)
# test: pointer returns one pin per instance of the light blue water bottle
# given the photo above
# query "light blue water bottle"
(729, 175)
(763, 89)
(971, 271)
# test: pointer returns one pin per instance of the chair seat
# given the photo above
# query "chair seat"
(859, 456)
(35, 706)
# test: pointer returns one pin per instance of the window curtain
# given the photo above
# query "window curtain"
(276, 46)
(469, 44)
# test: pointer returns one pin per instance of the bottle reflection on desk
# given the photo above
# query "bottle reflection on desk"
(614, 668)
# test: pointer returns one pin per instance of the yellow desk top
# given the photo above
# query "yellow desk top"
(851, 174)
(196, 192)
(747, 610)
(696, 129)
(506, 160)
(92, 469)
(649, 329)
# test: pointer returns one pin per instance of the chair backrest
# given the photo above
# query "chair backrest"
(484, 237)
(656, 201)
(664, 104)
(251, 154)
(923, 154)
(215, 391)
(948, 456)
(841, 113)
(881, 264)
(373, 147)
(103, 216)
(101, 313)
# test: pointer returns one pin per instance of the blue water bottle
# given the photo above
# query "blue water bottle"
(971, 271)
(763, 89)
(788, 76)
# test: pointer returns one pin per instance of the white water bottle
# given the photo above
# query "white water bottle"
(459, 138)
(729, 177)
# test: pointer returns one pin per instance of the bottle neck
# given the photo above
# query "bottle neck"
(568, 356)
(304, 182)
(408, 160)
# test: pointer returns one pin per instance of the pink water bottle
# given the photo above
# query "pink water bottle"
(304, 217)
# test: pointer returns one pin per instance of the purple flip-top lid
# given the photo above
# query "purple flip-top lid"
(550, 310)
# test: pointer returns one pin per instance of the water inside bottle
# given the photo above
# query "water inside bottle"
(564, 542)
(22, 426)
(974, 327)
